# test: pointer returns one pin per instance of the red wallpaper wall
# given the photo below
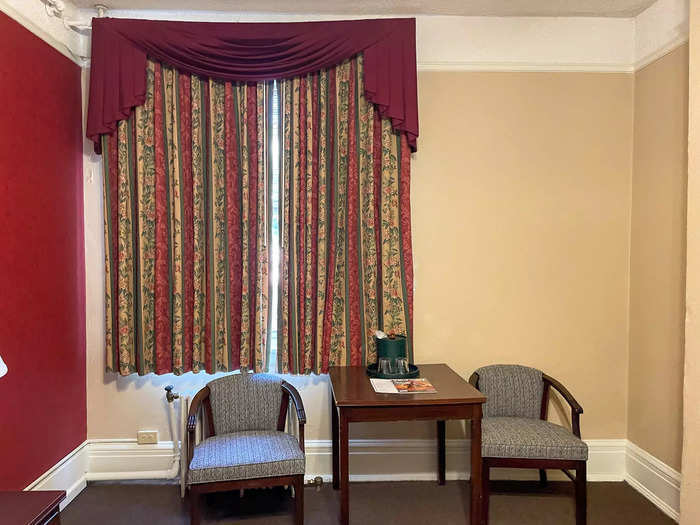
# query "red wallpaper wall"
(42, 275)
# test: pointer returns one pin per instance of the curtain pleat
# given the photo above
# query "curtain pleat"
(346, 266)
(187, 199)
(185, 228)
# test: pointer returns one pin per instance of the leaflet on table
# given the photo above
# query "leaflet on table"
(402, 386)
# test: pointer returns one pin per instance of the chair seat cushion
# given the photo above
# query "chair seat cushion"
(517, 437)
(246, 455)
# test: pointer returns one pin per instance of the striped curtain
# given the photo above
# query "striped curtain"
(185, 204)
(346, 265)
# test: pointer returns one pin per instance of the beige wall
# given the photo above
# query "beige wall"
(690, 487)
(521, 198)
(521, 194)
(657, 263)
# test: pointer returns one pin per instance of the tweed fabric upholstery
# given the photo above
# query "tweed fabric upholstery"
(245, 401)
(511, 391)
(246, 455)
(519, 437)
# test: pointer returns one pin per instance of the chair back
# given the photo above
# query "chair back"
(511, 391)
(245, 401)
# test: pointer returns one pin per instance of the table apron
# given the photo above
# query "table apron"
(411, 413)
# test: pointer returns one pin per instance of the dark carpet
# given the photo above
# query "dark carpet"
(396, 503)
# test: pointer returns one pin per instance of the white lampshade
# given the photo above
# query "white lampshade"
(3, 367)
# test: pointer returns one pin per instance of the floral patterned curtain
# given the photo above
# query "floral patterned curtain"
(188, 226)
(185, 236)
(346, 243)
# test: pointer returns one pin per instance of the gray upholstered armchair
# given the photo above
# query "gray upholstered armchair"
(516, 433)
(244, 443)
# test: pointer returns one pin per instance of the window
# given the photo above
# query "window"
(274, 145)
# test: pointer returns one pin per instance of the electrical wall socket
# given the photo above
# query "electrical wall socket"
(147, 437)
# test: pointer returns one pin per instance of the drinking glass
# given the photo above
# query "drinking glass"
(384, 366)
(402, 365)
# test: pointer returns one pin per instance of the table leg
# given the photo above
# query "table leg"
(344, 471)
(441, 452)
(334, 433)
(475, 477)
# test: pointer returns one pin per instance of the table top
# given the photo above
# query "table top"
(351, 387)
(27, 507)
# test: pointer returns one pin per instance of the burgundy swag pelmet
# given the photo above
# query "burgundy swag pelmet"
(250, 52)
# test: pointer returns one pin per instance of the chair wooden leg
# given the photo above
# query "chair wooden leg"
(485, 492)
(299, 496)
(194, 506)
(581, 499)
(543, 477)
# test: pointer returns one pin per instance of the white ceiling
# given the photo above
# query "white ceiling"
(612, 8)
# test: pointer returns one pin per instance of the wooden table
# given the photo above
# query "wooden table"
(353, 399)
(31, 507)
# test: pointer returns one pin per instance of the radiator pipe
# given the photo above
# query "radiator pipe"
(174, 436)
(169, 395)
(174, 469)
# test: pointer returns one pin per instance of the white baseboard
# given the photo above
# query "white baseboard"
(119, 459)
(389, 459)
(416, 459)
(370, 460)
(658, 482)
(69, 474)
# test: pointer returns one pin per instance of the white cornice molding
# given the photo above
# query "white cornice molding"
(451, 43)
(33, 15)
(659, 30)
(525, 43)
(523, 67)
(661, 52)
(457, 43)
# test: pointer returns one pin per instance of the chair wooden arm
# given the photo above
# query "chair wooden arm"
(298, 403)
(474, 380)
(289, 391)
(576, 409)
(564, 392)
(202, 398)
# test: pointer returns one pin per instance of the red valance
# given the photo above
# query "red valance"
(250, 52)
